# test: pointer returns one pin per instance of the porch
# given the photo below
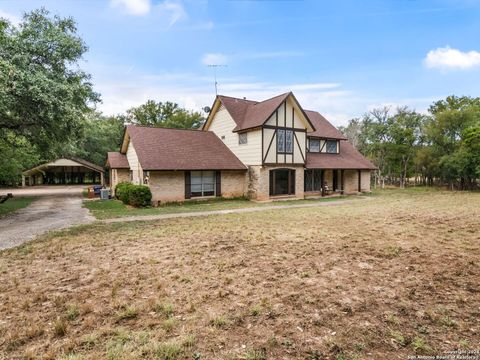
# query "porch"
(335, 182)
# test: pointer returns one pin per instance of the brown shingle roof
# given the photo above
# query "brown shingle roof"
(348, 158)
(176, 149)
(249, 114)
(116, 160)
(323, 128)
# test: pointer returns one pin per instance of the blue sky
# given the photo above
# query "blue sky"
(341, 58)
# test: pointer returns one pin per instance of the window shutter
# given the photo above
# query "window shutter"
(188, 188)
(218, 183)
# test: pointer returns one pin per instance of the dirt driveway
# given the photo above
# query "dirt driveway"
(56, 208)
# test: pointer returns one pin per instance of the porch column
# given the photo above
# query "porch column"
(342, 181)
(23, 180)
(102, 179)
(359, 180)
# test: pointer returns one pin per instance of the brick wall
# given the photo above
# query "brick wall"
(117, 176)
(233, 183)
(167, 186)
(351, 181)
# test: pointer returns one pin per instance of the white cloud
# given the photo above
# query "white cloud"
(173, 10)
(14, 19)
(448, 58)
(133, 7)
(214, 59)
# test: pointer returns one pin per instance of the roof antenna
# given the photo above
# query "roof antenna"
(215, 66)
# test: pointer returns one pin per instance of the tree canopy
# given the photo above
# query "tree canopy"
(164, 114)
(441, 147)
(43, 92)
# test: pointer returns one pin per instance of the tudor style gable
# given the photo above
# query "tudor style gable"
(285, 134)
(272, 131)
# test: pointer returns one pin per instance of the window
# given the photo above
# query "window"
(314, 145)
(282, 182)
(284, 141)
(280, 140)
(242, 138)
(289, 141)
(331, 146)
(202, 183)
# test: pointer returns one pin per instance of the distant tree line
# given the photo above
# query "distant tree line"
(439, 148)
(47, 103)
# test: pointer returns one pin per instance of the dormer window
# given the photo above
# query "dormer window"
(331, 146)
(314, 145)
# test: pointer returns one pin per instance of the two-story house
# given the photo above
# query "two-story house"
(264, 150)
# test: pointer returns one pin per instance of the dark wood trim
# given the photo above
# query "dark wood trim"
(276, 147)
(218, 183)
(335, 179)
(359, 180)
(188, 182)
(293, 125)
(285, 127)
(322, 147)
(287, 166)
(269, 146)
(322, 181)
(342, 172)
(298, 143)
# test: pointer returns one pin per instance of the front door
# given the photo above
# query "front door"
(282, 182)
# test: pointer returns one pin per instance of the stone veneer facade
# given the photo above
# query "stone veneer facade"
(258, 181)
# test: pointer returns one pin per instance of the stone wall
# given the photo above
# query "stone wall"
(258, 177)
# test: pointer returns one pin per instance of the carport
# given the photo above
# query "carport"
(64, 171)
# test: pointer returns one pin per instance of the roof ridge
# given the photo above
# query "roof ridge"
(276, 96)
(165, 128)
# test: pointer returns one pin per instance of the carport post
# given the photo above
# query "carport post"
(23, 180)
(102, 178)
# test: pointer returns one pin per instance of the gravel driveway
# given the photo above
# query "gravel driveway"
(44, 214)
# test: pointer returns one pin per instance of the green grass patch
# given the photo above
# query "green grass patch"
(14, 204)
(108, 209)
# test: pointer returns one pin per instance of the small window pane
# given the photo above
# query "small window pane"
(196, 177)
(242, 138)
(196, 188)
(314, 145)
(281, 140)
(331, 146)
(289, 141)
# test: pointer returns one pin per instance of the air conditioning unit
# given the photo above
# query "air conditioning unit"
(105, 194)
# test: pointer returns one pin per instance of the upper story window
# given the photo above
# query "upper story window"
(314, 145)
(331, 146)
(284, 141)
(242, 138)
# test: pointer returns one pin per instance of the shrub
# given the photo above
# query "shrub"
(121, 191)
(135, 195)
(139, 195)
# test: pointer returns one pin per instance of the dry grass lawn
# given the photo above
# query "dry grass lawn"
(384, 278)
